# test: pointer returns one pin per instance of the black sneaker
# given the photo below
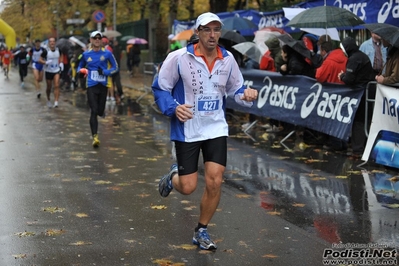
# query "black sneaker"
(165, 184)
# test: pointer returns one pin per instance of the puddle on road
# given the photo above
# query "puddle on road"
(325, 193)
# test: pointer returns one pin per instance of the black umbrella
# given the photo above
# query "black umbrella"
(64, 45)
(297, 45)
(233, 36)
(374, 26)
(325, 17)
(389, 33)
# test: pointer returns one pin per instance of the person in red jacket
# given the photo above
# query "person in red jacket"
(334, 61)
(267, 62)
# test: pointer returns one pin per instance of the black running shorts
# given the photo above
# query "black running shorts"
(187, 153)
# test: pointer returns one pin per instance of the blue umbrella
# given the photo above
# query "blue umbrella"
(239, 24)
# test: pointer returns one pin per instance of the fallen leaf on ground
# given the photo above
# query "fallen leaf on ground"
(274, 213)
(23, 234)
(270, 256)
(114, 170)
(243, 196)
(158, 207)
(394, 179)
(353, 172)
(377, 171)
(19, 256)
(102, 182)
(318, 178)
(391, 206)
(184, 246)
(315, 161)
(298, 205)
(53, 209)
(130, 241)
(162, 262)
(115, 188)
(81, 215)
(143, 195)
(54, 232)
(81, 243)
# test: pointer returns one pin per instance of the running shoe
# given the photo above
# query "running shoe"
(202, 239)
(96, 141)
(49, 105)
(22, 84)
(55, 104)
(38, 95)
(165, 184)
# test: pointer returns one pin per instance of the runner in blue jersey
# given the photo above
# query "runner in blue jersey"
(38, 56)
(94, 65)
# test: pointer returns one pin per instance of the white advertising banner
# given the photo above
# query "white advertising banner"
(383, 141)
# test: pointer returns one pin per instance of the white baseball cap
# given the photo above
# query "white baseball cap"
(206, 18)
(94, 33)
(170, 37)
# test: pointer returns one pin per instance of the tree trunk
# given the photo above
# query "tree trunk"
(218, 6)
(191, 9)
(172, 12)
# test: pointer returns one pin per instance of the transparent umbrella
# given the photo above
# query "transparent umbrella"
(112, 33)
(127, 37)
(252, 50)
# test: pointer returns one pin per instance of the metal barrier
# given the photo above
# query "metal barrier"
(149, 70)
(369, 101)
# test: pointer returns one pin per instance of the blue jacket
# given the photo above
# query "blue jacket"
(93, 60)
(367, 47)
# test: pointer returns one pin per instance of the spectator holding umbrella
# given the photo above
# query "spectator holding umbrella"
(295, 63)
(358, 73)
(391, 74)
(334, 61)
(374, 49)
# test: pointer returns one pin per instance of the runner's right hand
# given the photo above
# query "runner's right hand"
(84, 72)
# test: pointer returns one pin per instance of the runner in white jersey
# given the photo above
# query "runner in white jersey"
(53, 68)
(191, 88)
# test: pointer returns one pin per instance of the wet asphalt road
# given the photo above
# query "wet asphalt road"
(64, 203)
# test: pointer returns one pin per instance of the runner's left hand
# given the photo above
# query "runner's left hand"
(100, 71)
(249, 95)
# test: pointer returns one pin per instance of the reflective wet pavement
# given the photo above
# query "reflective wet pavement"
(294, 200)
(329, 194)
